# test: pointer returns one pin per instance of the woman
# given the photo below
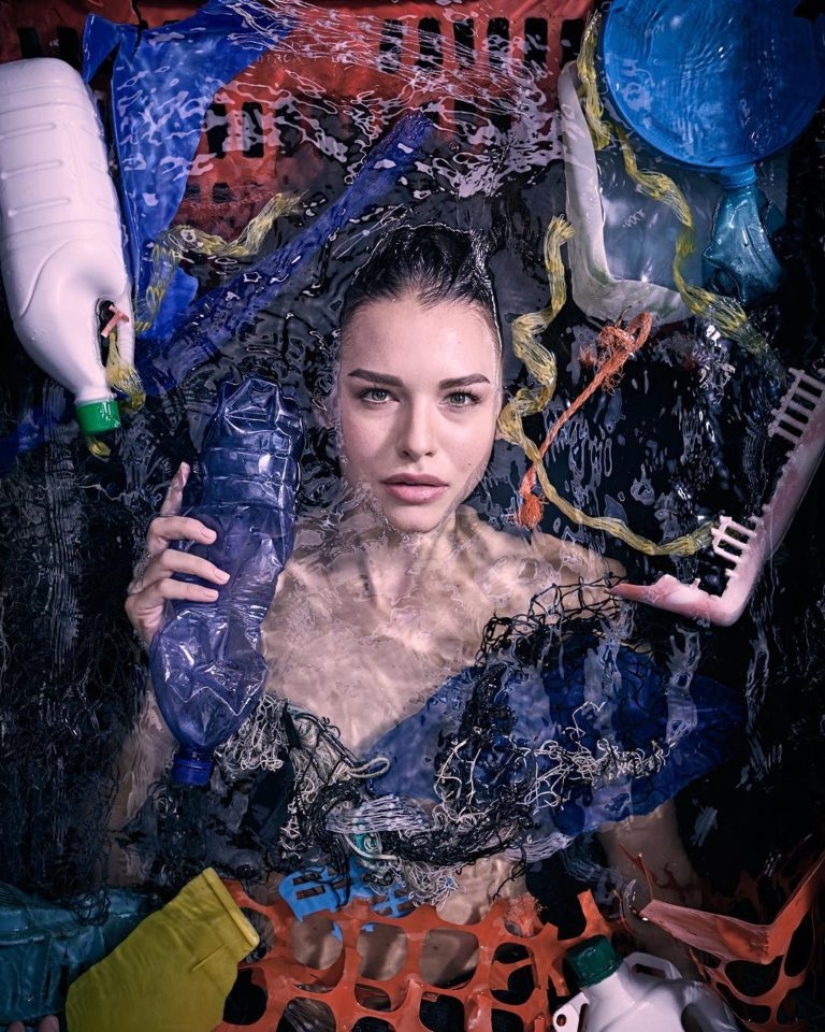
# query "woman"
(387, 595)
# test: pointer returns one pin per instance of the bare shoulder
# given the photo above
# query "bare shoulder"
(514, 567)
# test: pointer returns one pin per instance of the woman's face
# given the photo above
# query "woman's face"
(418, 393)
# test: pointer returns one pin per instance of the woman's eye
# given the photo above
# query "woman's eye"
(375, 395)
(460, 399)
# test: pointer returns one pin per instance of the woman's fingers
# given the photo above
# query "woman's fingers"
(163, 530)
(154, 582)
(170, 526)
(173, 501)
(171, 561)
(146, 607)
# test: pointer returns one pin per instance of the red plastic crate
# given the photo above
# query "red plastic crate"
(365, 61)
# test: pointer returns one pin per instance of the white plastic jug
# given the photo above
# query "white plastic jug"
(61, 249)
(639, 994)
(622, 251)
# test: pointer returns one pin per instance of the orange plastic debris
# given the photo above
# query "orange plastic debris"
(757, 968)
(518, 968)
(614, 346)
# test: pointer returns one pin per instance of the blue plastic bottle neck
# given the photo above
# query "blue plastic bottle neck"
(191, 767)
(737, 176)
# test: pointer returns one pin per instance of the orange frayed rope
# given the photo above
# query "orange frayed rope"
(614, 346)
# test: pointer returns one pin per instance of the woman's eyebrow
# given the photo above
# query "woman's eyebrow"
(395, 381)
(368, 374)
(463, 381)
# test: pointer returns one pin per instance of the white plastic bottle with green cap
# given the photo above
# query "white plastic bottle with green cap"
(641, 993)
(61, 251)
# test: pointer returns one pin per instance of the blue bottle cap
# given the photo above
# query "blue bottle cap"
(191, 768)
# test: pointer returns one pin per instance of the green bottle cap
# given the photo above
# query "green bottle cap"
(96, 417)
(593, 960)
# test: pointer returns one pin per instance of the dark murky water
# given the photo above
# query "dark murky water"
(682, 438)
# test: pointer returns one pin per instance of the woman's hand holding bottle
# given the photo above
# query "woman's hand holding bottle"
(154, 582)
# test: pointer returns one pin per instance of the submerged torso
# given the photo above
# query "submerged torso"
(338, 647)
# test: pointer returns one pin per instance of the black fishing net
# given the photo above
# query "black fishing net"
(565, 721)
(69, 662)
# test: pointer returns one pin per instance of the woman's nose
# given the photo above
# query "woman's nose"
(416, 436)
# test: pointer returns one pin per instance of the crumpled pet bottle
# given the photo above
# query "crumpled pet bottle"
(206, 670)
(740, 257)
(641, 993)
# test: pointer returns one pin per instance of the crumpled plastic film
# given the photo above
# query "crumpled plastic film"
(172, 974)
(512, 943)
(757, 968)
(207, 671)
(44, 947)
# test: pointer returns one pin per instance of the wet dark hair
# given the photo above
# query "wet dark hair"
(432, 262)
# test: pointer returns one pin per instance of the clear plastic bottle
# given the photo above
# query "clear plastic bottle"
(641, 993)
(206, 670)
(741, 260)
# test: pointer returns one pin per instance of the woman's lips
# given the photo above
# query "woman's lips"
(414, 491)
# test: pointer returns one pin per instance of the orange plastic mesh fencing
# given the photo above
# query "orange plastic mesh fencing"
(517, 970)
(758, 969)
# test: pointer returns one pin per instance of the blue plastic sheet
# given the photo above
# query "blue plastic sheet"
(163, 81)
(44, 947)
(222, 313)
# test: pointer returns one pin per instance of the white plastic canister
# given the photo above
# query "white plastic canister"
(61, 248)
(641, 993)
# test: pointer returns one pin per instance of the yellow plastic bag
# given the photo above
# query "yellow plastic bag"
(173, 973)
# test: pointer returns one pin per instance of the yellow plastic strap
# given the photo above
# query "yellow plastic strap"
(171, 246)
(592, 106)
(655, 185)
(726, 314)
(541, 364)
(173, 973)
(526, 329)
(122, 376)
(687, 544)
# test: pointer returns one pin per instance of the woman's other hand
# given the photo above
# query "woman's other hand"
(48, 1024)
(154, 583)
(648, 860)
